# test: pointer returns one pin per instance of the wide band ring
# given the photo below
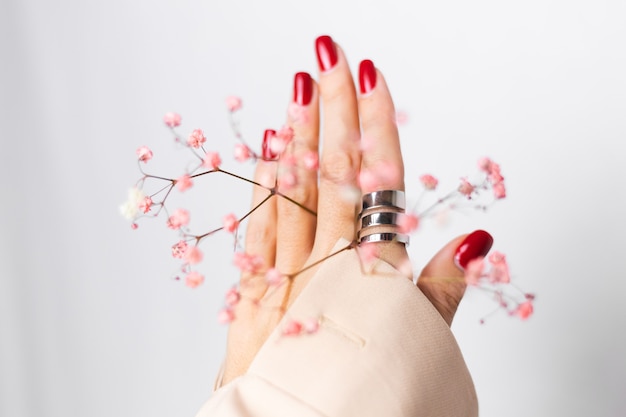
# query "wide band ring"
(385, 218)
(394, 199)
(386, 237)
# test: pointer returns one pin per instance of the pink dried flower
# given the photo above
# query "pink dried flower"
(179, 249)
(226, 316)
(499, 190)
(196, 138)
(368, 252)
(231, 223)
(466, 188)
(494, 174)
(474, 271)
(287, 179)
(233, 103)
(193, 255)
(311, 325)
(280, 141)
(144, 154)
(311, 160)
(232, 297)
(408, 222)
(524, 310)
(172, 119)
(145, 204)
(484, 164)
(402, 118)
(212, 160)
(292, 328)
(429, 182)
(273, 277)
(184, 182)
(297, 113)
(134, 226)
(242, 152)
(178, 219)
(499, 268)
(248, 263)
(194, 279)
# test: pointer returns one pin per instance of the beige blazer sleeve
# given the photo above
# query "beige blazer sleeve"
(382, 350)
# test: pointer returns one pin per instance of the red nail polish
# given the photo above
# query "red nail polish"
(475, 245)
(266, 150)
(326, 52)
(302, 88)
(367, 76)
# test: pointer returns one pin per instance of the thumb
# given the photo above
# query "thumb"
(442, 280)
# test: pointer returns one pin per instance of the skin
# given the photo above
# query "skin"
(291, 238)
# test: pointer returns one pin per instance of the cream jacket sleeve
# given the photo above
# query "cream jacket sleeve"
(382, 350)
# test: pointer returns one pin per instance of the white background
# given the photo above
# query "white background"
(91, 322)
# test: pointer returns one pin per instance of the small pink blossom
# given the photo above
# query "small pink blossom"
(242, 152)
(194, 279)
(280, 141)
(484, 164)
(145, 204)
(474, 271)
(286, 133)
(212, 160)
(287, 179)
(524, 310)
(233, 103)
(402, 118)
(499, 190)
(379, 177)
(144, 154)
(466, 188)
(298, 113)
(292, 328)
(231, 223)
(499, 268)
(193, 255)
(225, 316)
(196, 138)
(179, 249)
(184, 182)
(429, 182)
(311, 325)
(408, 222)
(134, 226)
(232, 297)
(273, 277)
(311, 160)
(172, 119)
(248, 263)
(178, 219)
(368, 252)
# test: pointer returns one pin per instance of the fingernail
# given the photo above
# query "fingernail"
(326, 52)
(266, 149)
(367, 76)
(475, 245)
(302, 88)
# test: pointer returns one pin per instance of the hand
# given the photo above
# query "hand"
(360, 138)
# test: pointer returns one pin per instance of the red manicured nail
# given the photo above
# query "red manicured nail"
(326, 52)
(475, 245)
(266, 150)
(367, 76)
(302, 88)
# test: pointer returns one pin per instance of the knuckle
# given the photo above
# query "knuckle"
(339, 167)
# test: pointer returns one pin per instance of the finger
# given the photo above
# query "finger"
(297, 179)
(340, 159)
(381, 159)
(380, 143)
(261, 231)
(442, 280)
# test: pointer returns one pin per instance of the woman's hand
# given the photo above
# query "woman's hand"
(360, 141)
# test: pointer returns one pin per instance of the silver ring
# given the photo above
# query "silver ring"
(385, 198)
(386, 237)
(384, 218)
